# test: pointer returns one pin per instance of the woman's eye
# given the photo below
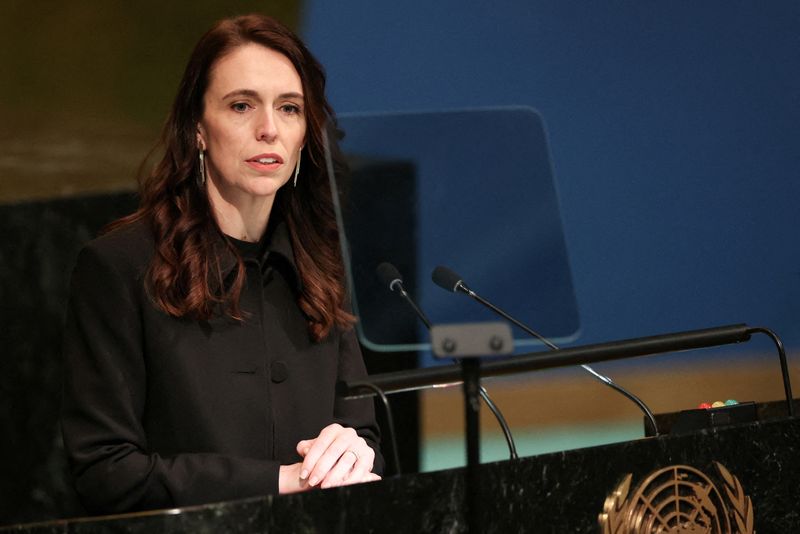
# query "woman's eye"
(291, 109)
(240, 107)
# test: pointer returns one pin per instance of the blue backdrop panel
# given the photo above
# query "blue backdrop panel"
(673, 129)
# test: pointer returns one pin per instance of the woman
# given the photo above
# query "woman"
(206, 331)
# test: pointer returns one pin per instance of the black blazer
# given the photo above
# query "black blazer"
(162, 412)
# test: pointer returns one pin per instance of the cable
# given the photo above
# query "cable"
(389, 423)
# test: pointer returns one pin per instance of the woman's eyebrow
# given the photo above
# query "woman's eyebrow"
(254, 94)
(242, 92)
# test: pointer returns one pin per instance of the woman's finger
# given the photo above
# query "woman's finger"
(370, 477)
(341, 470)
(313, 449)
(345, 439)
(304, 446)
(332, 441)
(355, 463)
(363, 465)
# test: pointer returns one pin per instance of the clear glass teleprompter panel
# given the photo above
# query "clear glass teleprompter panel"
(472, 190)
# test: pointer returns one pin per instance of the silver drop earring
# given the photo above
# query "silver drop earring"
(201, 179)
(297, 168)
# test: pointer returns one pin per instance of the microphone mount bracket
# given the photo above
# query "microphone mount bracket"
(471, 340)
(468, 342)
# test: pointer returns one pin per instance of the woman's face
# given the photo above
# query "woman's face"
(253, 125)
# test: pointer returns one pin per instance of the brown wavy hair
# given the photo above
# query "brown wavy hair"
(184, 277)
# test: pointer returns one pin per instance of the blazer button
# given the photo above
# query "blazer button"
(279, 371)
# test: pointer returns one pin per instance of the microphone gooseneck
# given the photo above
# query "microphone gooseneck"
(391, 277)
(447, 279)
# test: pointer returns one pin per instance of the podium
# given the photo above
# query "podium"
(552, 493)
(735, 479)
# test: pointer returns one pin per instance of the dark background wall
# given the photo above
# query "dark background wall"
(40, 242)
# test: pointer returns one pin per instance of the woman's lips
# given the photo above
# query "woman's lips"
(265, 162)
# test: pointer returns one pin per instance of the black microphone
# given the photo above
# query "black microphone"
(391, 277)
(448, 279)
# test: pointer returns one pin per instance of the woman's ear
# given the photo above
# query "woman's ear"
(201, 141)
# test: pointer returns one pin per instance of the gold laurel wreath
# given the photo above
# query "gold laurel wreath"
(612, 518)
(741, 504)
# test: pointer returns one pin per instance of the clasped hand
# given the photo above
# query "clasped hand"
(336, 457)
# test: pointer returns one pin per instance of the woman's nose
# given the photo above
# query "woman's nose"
(267, 129)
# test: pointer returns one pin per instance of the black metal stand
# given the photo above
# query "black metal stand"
(468, 343)
(471, 373)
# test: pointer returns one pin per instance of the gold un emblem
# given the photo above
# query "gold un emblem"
(679, 500)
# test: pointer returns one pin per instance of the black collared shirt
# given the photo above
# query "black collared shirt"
(162, 412)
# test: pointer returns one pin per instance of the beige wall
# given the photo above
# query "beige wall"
(570, 397)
